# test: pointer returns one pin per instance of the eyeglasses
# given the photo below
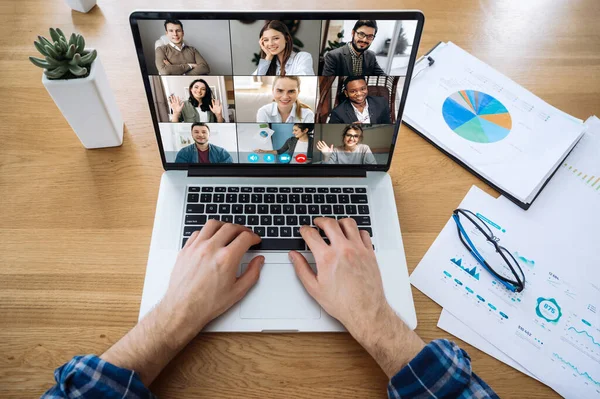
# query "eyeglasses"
(478, 238)
(352, 136)
(362, 35)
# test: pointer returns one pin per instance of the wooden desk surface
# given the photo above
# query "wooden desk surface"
(75, 225)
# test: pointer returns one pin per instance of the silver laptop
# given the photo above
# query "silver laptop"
(269, 120)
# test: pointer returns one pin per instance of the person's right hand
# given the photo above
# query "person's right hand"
(268, 54)
(322, 146)
(348, 284)
(176, 104)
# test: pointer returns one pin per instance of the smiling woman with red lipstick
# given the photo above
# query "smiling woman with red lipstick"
(276, 53)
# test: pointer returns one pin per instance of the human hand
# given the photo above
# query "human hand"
(268, 54)
(216, 107)
(166, 62)
(203, 283)
(259, 151)
(348, 282)
(348, 286)
(322, 146)
(175, 103)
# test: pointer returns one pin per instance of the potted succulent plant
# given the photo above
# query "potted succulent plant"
(81, 5)
(76, 81)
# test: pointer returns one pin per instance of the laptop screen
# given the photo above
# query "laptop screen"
(315, 89)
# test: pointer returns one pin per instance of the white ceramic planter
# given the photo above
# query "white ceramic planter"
(81, 5)
(89, 106)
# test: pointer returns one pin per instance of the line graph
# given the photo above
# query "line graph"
(574, 368)
(583, 332)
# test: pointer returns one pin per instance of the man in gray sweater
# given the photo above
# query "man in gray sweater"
(177, 58)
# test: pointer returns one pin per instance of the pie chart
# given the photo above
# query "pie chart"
(476, 116)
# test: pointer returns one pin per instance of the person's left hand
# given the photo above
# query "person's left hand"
(203, 283)
(216, 107)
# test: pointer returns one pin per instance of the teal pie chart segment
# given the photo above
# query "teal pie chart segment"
(477, 116)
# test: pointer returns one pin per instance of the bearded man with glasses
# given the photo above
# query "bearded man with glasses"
(355, 59)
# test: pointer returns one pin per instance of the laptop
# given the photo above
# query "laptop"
(269, 120)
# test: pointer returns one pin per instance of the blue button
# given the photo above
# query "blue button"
(285, 158)
(253, 158)
(269, 158)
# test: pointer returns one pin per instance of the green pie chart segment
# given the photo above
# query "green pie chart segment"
(476, 116)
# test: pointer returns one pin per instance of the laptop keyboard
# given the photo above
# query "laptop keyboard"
(274, 213)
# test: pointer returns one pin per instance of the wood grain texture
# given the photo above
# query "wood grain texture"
(75, 225)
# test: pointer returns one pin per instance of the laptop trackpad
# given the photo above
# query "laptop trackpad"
(278, 294)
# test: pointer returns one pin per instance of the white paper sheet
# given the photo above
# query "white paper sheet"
(550, 328)
(454, 326)
(526, 137)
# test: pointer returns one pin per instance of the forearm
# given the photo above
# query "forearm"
(173, 69)
(175, 117)
(152, 343)
(202, 67)
(388, 340)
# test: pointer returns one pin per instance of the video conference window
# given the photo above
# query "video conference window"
(353, 144)
(323, 92)
(366, 47)
(191, 99)
(281, 143)
(203, 143)
(263, 47)
(186, 47)
(279, 99)
(359, 99)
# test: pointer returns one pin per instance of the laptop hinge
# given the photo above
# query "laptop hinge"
(244, 171)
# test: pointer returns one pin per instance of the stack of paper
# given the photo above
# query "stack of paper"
(551, 330)
(497, 129)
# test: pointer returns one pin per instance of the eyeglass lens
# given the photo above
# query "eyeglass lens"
(498, 261)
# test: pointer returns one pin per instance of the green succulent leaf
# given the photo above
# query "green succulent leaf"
(63, 43)
(77, 70)
(39, 62)
(80, 44)
(58, 48)
(57, 73)
(54, 63)
(76, 60)
(54, 35)
(89, 57)
(71, 51)
(52, 52)
(60, 32)
(73, 39)
(44, 41)
(40, 47)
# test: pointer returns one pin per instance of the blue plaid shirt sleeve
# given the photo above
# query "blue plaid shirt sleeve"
(91, 377)
(440, 370)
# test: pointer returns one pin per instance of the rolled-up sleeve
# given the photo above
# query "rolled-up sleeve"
(440, 370)
(91, 377)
